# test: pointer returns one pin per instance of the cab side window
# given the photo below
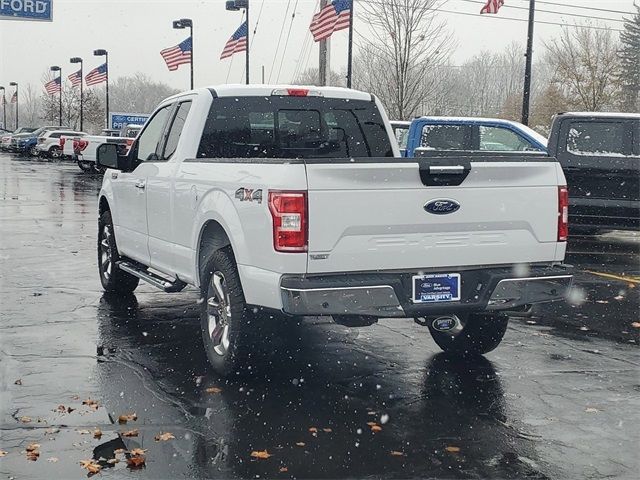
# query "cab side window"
(175, 131)
(151, 137)
(499, 139)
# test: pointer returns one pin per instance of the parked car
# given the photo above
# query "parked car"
(293, 201)
(20, 143)
(471, 134)
(84, 149)
(600, 155)
(5, 141)
(49, 142)
(401, 132)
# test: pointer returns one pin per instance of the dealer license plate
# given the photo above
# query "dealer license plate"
(435, 288)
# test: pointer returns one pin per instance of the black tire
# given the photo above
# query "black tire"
(480, 333)
(33, 151)
(55, 152)
(86, 166)
(112, 278)
(228, 326)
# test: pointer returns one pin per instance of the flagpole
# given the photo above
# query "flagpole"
(526, 96)
(247, 52)
(350, 53)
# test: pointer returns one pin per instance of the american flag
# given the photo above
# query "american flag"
(335, 16)
(492, 6)
(14, 97)
(76, 78)
(178, 55)
(53, 86)
(97, 75)
(237, 42)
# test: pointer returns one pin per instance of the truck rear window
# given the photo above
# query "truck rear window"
(293, 127)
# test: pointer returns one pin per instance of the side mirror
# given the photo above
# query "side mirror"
(107, 156)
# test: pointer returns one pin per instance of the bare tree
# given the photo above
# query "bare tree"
(310, 77)
(629, 55)
(586, 65)
(406, 40)
(136, 94)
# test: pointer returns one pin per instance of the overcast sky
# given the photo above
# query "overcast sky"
(134, 31)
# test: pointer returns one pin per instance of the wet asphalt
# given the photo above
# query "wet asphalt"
(558, 399)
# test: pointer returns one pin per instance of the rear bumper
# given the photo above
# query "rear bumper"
(389, 294)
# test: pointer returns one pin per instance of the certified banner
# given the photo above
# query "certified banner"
(34, 10)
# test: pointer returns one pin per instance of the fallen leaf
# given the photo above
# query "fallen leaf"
(313, 429)
(300, 444)
(113, 461)
(89, 402)
(130, 433)
(591, 410)
(3, 453)
(91, 466)
(25, 419)
(69, 409)
(396, 453)
(635, 324)
(51, 430)
(327, 430)
(33, 455)
(83, 432)
(18, 382)
(163, 437)
(376, 428)
(32, 447)
(136, 452)
(97, 433)
(452, 449)
(213, 390)
(61, 409)
(371, 424)
(52, 459)
(136, 462)
(260, 454)
(127, 417)
(283, 469)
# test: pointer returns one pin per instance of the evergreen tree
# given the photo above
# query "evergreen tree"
(629, 55)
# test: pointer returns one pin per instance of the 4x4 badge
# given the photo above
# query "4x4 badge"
(249, 195)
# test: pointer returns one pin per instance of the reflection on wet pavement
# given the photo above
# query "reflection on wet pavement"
(553, 401)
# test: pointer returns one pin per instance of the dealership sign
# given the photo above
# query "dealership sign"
(26, 10)
(120, 120)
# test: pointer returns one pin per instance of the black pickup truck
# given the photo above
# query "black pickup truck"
(600, 156)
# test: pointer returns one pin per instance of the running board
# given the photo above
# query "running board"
(157, 281)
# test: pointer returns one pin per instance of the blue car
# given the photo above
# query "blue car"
(470, 134)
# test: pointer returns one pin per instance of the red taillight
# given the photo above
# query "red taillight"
(563, 214)
(62, 140)
(289, 213)
(79, 146)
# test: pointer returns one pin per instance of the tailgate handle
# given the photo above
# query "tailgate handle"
(446, 169)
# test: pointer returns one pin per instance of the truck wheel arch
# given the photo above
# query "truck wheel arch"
(103, 205)
(212, 237)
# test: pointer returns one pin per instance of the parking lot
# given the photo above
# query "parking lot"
(558, 399)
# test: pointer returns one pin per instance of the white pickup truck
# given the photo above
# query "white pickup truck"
(293, 200)
(82, 148)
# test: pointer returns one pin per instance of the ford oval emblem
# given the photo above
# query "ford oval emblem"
(442, 207)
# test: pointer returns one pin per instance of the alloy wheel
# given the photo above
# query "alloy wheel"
(218, 313)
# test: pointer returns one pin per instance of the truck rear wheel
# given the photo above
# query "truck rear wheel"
(471, 334)
(112, 278)
(228, 326)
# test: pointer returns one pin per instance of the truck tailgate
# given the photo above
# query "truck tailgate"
(371, 214)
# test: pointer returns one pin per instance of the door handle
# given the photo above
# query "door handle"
(141, 184)
(446, 169)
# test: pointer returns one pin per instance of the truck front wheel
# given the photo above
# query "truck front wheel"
(112, 278)
(471, 334)
(228, 326)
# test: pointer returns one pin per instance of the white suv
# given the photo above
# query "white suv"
(49, 142)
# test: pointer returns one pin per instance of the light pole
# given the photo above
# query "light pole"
(105, 54)
(15, 84)
(186, 23)
(79, 60)
(235, 5)
(55, 68)
(4, 108)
